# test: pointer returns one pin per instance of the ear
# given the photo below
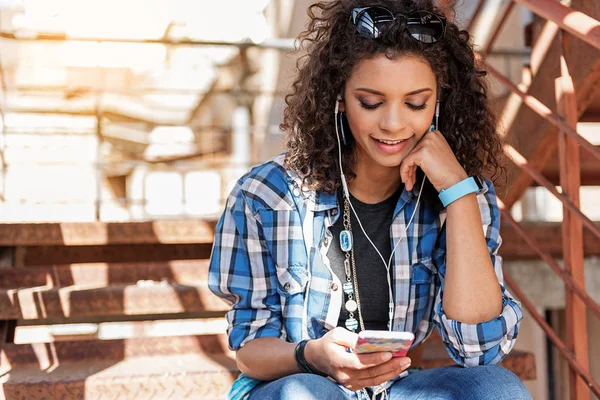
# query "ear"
(342, 104)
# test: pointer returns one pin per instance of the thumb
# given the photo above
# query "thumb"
(344, 337)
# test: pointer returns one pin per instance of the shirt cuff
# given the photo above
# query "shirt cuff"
(485, 342)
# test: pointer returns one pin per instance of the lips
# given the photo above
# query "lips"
(390, 142)
(390, 146)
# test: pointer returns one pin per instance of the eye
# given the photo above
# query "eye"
(415, 107)
(369, 106)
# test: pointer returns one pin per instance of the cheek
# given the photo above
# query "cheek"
(421, 125)
(362, 123)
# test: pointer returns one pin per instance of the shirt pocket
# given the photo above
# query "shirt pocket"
(291, 280)
(422, 272)
(421, 289)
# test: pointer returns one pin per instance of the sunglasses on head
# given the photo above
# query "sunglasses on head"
(424, 26)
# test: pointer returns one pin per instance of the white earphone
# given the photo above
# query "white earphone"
(347, 193)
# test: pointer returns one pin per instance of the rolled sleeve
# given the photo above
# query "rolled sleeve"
(490, 341)
(241, 271)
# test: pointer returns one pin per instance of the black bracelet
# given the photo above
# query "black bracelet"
(303, 365)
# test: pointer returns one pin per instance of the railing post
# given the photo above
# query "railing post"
(570, 176)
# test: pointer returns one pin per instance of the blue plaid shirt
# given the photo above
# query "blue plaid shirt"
(269, 261)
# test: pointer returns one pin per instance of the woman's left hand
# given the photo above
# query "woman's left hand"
(437, 160)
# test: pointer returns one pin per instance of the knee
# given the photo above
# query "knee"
(498, 383)
(301, 386)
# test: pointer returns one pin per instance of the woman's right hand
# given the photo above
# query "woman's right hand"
(354, 371)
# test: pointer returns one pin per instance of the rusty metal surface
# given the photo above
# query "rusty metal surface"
(547, 234)
(160, 377)
(104, 274)
(577, 23)
(575, 308)
(199, 367)
(47, 255)
(530, 133)
(101, 233)
(535, 246)
(89, 350)
(566, 352)
(75, 301)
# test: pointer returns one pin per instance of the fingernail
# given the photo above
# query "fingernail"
(405, 364)
(387, 356)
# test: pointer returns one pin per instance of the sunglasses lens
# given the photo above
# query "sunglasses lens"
(426, 27)
(368, 22)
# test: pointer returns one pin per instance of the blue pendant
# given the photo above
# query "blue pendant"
(346, 241)
(348, 288)
(351, 324)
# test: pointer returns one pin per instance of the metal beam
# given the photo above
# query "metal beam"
(573, 21)
(575, 308)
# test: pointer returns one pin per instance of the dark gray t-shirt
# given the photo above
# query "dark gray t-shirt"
(371, 272)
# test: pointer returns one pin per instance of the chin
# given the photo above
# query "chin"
(390, 162)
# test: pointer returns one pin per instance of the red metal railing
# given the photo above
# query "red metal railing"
(575, 350)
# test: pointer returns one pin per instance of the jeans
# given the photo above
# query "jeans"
(488, 382)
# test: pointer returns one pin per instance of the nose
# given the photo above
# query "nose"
(392, 120)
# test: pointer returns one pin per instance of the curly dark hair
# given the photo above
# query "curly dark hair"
(333, 48)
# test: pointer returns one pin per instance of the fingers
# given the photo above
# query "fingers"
(378, 375)
(405, 169)
(362, 361)
(408, 173)
(344, 337)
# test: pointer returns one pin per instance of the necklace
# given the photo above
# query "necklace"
(350, 287)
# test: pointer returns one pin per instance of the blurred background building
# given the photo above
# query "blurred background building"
(139, 111)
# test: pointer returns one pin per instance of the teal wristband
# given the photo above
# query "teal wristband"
(472, 184)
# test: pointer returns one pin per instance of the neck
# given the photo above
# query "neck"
(374, 183)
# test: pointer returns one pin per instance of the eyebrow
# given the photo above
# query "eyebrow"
(407, 94)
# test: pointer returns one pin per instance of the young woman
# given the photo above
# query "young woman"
(389, 133)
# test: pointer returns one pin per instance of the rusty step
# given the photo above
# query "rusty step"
(144, 298)
(173, 367)
(105, 233)
(159, 377)
(104, 274)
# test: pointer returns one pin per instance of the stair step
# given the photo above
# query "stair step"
(200, 367)
(104, 233)
(144, 298)
(156, 377)
(104, 274)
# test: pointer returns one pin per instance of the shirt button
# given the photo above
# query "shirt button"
(287, 286)
(334, 212)
(334, 287)
(326, 241)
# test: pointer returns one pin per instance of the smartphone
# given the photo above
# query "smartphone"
(371, 341)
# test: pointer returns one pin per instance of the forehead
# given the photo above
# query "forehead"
(402, 74)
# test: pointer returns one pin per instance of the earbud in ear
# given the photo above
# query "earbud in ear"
(434, 125)
(337, 103)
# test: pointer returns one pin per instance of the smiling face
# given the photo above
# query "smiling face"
(389, 105)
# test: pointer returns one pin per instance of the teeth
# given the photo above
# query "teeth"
(389, 142)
